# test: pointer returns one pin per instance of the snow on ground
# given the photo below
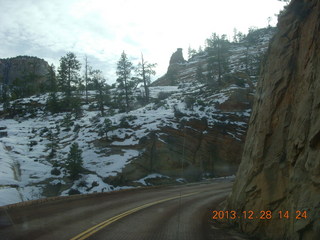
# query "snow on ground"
(150, 176)
(89, 184)
(154, 91)
(111, 165)
(9, 196)
(7, 174)
(24, 166)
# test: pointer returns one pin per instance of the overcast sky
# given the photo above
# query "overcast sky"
(102, 29)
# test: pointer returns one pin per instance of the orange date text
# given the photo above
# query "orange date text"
(261, 215)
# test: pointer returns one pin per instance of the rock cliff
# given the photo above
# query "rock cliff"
(23, 71)
(177, 57)
(280, 167)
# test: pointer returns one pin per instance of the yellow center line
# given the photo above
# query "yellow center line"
(89, 232)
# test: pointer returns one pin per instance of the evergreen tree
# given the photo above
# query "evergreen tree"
(191, 52)
(237, 36)
(74, 161)
(68, 73)
(68, 76)
(125, 85)
(144, 71)
(199, 74)
(86, 77)
(53, 145)
(51, 78)
(103, 90)
(53, 105)
(218, 51)
(106, 127)
(250, 40)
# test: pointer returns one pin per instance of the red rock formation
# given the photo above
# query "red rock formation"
(280, 168)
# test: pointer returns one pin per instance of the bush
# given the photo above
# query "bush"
(92, 107)
(67, 122)
(74, 161)
(189, 100)
(94, 184)
(33, 143)
(43, 131)
(105, 128)
(76, 128)
(124, 121)
(53, 105)
(73, 191)
(201, 103)
(55, 172)
(159, 104)
(82, 184)
(95, 119)
(75, 104)
(177, 113)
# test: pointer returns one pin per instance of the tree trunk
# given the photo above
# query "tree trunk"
(86, 78)
(146, 90)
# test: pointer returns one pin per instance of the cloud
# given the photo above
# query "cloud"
(103, 29)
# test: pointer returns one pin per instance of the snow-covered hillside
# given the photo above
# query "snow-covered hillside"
(27, 171)
(243, 57)
(187, 133)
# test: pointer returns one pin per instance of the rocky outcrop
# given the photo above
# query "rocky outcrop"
(177, 57)
(193, 151)
(176, 65)
(243, 61)
(280, 168)
(23, 70)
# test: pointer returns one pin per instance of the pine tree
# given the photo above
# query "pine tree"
(191, 52)
(144, 71)
(218, 51)
(74, 161)
(106, 127)
(53, 105)
(199, 74)
(103, 93)
(250, 40)
(125, 85)
(52, 80)
(53, 145)
(68, 72)
(86, 77)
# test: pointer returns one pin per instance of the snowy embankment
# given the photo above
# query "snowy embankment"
(26, 171)
(8, 178)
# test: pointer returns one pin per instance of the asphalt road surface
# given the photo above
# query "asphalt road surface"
(171, 212)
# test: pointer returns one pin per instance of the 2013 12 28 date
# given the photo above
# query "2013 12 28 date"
(263, 215)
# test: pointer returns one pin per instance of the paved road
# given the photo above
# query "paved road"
(174, 212)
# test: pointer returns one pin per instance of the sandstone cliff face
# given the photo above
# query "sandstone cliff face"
(280, 168)
(192, 152)
(23, 70)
